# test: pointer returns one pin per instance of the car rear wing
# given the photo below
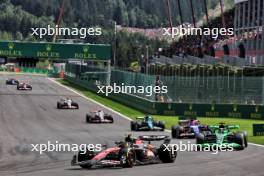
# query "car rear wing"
(154, 138)
(230, 127)
(233, 127)
(184, 121)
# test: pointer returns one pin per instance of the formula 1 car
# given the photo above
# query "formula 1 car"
(126, 154)
(99, 117)
(222, 136)
(147, 123)
(12, 82)
(187, 128)
(24, 86)
(67, 104)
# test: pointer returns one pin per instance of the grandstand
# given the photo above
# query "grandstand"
(228, 70)
(247, 19)
(249, 23)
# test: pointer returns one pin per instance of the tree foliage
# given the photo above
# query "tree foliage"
(18, 17)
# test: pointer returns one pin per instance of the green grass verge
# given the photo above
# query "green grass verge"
(169, 120)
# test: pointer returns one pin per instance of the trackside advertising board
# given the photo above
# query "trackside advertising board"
(55, 50)
(258, 129)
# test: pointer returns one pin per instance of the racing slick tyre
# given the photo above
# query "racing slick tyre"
(110, 118)
(75, 104)
(239, 138)
(200, 139)
(88, 118)
(58, 105)
(128, 158)
(165, 155)
(88, 155)
(134, 126)
(175, 132)
(161, 125)
(245, 138)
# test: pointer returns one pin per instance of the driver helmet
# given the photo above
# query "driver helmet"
(149, 147)
(148, 117)
(221, 130)
(222, 125)
(129, 134)
(195, 122)
(128, 137)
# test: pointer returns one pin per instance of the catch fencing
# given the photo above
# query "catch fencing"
(191, 94)
(181, 89)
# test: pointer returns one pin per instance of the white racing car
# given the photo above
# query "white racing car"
(67, 104)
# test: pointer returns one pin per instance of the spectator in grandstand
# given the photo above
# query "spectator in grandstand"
(191, 45)
(211, 50)
(199, 52)
(242, 50)
(226, 49)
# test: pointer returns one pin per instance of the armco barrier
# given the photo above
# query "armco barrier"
(180, 109)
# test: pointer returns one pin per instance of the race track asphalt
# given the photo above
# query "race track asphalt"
(31, 117)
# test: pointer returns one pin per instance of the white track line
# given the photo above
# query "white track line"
(126, 117)
(258, 145)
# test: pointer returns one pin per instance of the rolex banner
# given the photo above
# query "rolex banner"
(55, 50)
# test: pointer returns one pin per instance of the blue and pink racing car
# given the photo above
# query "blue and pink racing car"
(188, 128)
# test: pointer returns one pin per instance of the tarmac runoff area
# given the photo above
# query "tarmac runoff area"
(31, 117)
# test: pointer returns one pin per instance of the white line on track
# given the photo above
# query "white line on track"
(258, 145)
(126, 117)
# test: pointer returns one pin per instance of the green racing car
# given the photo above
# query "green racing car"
(222, 136)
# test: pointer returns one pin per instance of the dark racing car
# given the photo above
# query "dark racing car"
(67, 104)
(187, 128)
(99, 117)
(24, 86)
(128, 154)
(147, 123)
(222, 136)
(12, 82)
